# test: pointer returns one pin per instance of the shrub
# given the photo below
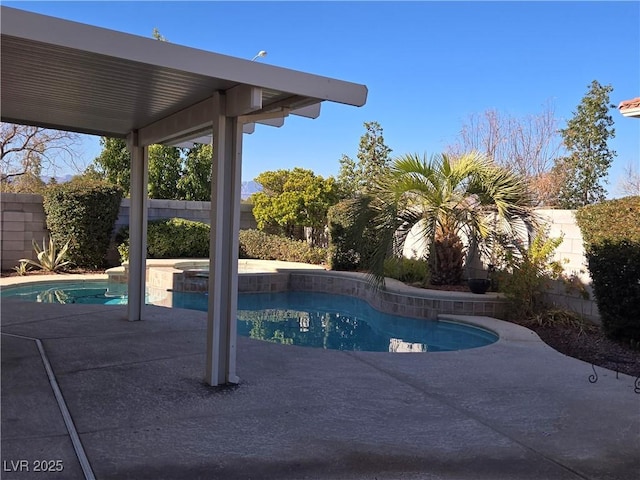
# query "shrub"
(611, 233)
(83, 213)
(527, 274)
(170, 238)
(347, 244)
(408, 270)
(265, 246)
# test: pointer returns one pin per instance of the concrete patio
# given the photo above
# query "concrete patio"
(135, 393)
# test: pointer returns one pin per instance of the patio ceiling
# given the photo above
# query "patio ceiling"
(71, 76)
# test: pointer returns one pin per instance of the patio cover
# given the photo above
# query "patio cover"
(80, 78)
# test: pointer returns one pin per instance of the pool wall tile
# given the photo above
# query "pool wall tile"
(419, 303)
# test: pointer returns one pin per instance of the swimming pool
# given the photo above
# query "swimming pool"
(310, 319)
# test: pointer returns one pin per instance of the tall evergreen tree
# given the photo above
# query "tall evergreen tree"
(373, 159)
(585, 138)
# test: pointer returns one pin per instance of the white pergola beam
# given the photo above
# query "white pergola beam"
(181, 125)
(204, 139)
(265, 117)
(242, 100)
(310, 111)
(272, 122)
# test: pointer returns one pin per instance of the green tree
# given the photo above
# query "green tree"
(373, 161)
(113, 164)
(195, 183)
(165, 170)
(589, 159)
(291, 200)
(450, 199)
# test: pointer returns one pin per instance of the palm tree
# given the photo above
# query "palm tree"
(451, 199)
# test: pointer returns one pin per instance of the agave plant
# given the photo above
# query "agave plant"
(49, 258)
(450, 199)
(23, 268)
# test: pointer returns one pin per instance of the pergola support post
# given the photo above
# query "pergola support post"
(223, 254)
(137, 227)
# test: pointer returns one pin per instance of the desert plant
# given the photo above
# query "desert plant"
(49, 258)
(22, 268)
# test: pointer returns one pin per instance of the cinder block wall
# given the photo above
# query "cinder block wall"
(571, 254)
(562, 223)
(197, 211)
(22, 219)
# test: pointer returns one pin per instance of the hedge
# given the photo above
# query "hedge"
(264, 246)
(170, 238)
(83, 212)
(611, 233)
(180, 238)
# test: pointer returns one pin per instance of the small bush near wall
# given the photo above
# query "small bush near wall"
(611, 232)
(408, 270)
(170, 238)
(82, 212)
(524, 276)
(264, 246)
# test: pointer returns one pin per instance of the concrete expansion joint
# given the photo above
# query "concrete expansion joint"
(62, 405)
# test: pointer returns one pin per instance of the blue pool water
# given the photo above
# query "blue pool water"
(310, 319)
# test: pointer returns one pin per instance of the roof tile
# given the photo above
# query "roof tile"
(629, 104)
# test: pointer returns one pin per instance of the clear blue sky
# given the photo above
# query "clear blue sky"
(428, 65)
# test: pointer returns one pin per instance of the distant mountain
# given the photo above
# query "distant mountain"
(62, 179)
(249, 188)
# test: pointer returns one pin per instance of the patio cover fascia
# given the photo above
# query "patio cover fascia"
(76, 77)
